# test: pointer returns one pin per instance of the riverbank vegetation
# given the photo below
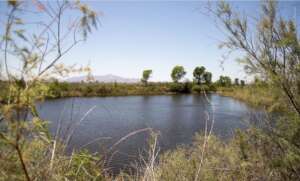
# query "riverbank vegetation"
(260, 96)
(202, 82)
(269, 152)
(250, 93)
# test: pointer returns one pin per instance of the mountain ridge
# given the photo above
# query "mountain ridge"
(107, 78)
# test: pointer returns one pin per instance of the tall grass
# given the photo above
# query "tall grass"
(249, 155)
(263, 96)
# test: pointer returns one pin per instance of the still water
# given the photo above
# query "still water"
(98, 123)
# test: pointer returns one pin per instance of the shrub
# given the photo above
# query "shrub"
(200, 88)
(176, 87)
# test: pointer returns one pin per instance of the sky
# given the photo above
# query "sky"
(154, 35)
(157, 35)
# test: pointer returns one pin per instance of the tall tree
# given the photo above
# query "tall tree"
(236, 81)
(242, 83)
(224, 81)
(178, 73)
(207, 76)
(198, 74)
(146, 76)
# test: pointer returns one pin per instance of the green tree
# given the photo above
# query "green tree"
(178, 73)
(236, 81)
(146, 76)
(257, 80)
(199, 74)
(224, 81)
(242, 83)
(207, 76)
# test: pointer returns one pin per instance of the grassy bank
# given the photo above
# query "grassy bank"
(255, 95)
(106, 89)
(63, 89)
(245, 157)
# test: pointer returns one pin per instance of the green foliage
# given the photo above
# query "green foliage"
(63, 89)
(37, 155)
(200, 88)
(27, 150)
(224, 81)
(220, 162)
(146, 76)
(236, 81)
(199, 74)
(3, 92)
(258, 96)
(272, 53)
(83, 166)
(207, 77)
(178, 73)
(197, 88)
(181, 87)
(242, 83)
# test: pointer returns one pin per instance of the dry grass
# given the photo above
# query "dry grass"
(257, 96)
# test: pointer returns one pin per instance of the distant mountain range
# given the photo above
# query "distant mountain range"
(104, 79)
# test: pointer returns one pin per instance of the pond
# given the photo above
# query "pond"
(97, 123)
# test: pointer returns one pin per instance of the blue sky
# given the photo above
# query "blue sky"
(157, 35)
(153, 35)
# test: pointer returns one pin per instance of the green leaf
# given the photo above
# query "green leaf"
(20, 33)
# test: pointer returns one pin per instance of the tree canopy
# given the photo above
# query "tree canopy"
(146, 76)
(207, 77)
(178, 73)
(199, 74)
(236, 81)
(224, 81)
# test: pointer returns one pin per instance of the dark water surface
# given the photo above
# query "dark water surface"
(177, 118)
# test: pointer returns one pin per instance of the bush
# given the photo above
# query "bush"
(212, 87)
(200, 88)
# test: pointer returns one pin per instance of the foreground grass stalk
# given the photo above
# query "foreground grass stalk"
(52, 155)
(22, 162)
(207, 135)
